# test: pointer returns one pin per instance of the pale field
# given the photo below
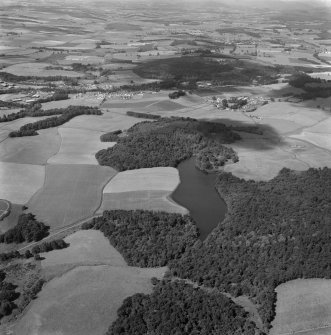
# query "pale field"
(87, 247)
(262, 164)
(303, 306)
(70, 193)
(109, 121)
(322, 140)
(31, 149)
(287, 117)
(131, 104)
(158, 178)
(20, 181)
(85, 100)
(85, 300)
(165, 105)
(147, 200)
(37, 70)
(321, 127)
(288, 139)
(79, 146)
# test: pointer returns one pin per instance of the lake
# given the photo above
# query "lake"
(197, 193)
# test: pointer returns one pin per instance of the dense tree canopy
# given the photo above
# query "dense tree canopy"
(275, 231)
(313, 87)
(63, 115)
(146, 238)
(28, 229)
(175, 308)
(167, 142)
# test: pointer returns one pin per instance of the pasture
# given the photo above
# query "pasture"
(78, 146)
(84, 301)
(31, 149)
(322, 140)
(109, 121)
(70, 193)
(20, 181)
(303, 306)
(147, 189)
(148, 200)
(75, 100)
(158, 178)
(37, 70)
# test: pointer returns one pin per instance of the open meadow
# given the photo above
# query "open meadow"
(70, 193)
(90, 282)
(78, 146)
(20, 181)
(143, 189)
(303, 306)
(84, 301)
(148, 200)
(112, 120)
(32, 149)
(158, 178)
(38, 70)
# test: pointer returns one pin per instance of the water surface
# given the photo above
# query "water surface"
(197, 193)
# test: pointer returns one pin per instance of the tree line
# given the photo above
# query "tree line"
(274, 232)
(176, 308)
(169, 141)
(27, 229)
(146, 238)
(64, 115)
(313, 87)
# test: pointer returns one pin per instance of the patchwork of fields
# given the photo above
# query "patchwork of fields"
(83, 298)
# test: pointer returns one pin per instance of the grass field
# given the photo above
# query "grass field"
(70, 193)
(109, 121)
(322, 140)
(87, 247)
(261, 160)
(20, 181)
(37, 70)
(32, 149)
(303, 306)
(158, 178)
(148, 200)
(11, 220)
(143, 189)
(133, 104)
(84, 301)
(164, 105)
(78, 146)
(85, 100)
